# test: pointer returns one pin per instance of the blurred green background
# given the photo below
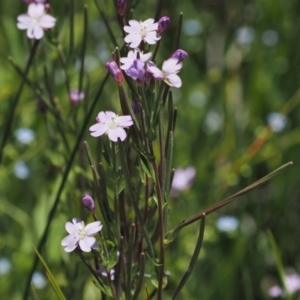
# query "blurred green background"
(238, 119)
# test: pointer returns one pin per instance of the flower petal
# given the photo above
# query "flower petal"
(124, 121)
(171, 65)
(99, 129)
(47, 21)
(86, 243)
(38, 32)
(173, 80)
(69, 239)
(93, 228)
(36, 10)
(152, 37)
(71, 228)
(116, 133)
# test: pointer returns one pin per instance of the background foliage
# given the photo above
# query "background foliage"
(243, 64)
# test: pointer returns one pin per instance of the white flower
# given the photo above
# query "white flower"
(169, 71)
(81, 235)
(141, 31)
(132, 56)
(35, 21)
(111, 124)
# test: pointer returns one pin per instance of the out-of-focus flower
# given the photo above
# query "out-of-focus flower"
(121, 6)
(5, 265)
(292, 284)
(89, 203)
(132, 56)
(276, 121)
(182, 180)
(111, 273)
(33, 1)
(180, 55)
(38, 280)
(35, 21)
(141, 31)
(270, 38)
(115, 71)
(227, 223)
(41, 105)
(24, 135)
(245, 35)
(137, 71)
(81, 235)
(163, 24)
(111, 124)
(192, 27)
(76, 96)
(168, 73)
(21, 170)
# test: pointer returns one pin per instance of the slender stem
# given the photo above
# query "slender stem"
(15, 101)
(178, 32)
(61, 187)
(83, 48)
(140, 278)
(71, 38)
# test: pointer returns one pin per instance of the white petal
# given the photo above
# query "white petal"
(116, 133)
(152, 37)
(38, 32)
(173, 80)
(87, 243)
(148, 22)
(47, 21)
(134, 24)
(72, 246)
(69, 240)
(124, 121)
(71, 228)
(36, 10)
(145, 57)
(99, 129)
(133, 39)
(93, 228)
(157, 73)
(30, 32)
(110, 114)
(24, 22)
(171, 66)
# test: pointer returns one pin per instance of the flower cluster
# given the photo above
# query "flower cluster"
(36, 21)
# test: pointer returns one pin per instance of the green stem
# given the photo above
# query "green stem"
(15, 101)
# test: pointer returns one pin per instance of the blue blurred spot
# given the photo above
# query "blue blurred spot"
(24, 135)
(192, 27)
(5, 266)
(227, 223)
(21, 170)
(38, 280)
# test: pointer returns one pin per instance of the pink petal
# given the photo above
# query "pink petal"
(69, 239)
(116, 133)
(71, 228)
(71, 247)
(47, 21)
(171, 66)
(38, 32)
(24, 22)
(149, 22)
(157, 73)
(145, 57)
(99, 129)
(173, 80)
(124, 121)
(93, 228)
(133, 39)
(36, 10)
(152, 37)
(87, 243)
(30, 32)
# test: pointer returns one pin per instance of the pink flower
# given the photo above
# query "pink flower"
(168, 73)
(35, 21)
(292, 284)
(111, 124)
(132, 56)
(76, 96)
(141, 31)
(81, 235)
(182, 180)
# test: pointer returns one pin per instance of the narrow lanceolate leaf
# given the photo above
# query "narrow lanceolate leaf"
(193, 261)
(51, 278)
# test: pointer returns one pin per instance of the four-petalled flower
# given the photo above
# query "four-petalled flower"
(141, 31)
(168, 73)
(35, 21)
(111, 124)
(81, 235)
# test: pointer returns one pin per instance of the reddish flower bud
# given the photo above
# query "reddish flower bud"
(163, 24)
(89, 203)
(121, 6)
(115, 71)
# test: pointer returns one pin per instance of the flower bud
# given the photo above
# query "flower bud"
(76, 96)
(89, 203)
(180, 55)
(135, 106)
(121, 6)
(163, 24)
(115, 71)
(41, 106)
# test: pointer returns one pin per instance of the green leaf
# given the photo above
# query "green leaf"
(104, 289)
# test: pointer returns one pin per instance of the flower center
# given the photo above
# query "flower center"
(143, 29)
(112, 123)
(82, 233)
